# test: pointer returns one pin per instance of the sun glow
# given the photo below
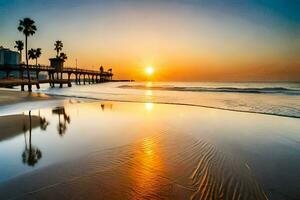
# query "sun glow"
(149, 71)
(149, 106)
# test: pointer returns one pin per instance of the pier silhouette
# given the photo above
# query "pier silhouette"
(55, 76)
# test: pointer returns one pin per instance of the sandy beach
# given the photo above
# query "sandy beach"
(149, 100)
(152, 151)
(12, 97)
(8, 125)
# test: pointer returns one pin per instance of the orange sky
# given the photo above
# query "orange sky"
(183, 42)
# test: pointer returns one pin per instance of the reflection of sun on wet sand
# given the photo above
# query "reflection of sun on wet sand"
(113, 150)
(165, 166)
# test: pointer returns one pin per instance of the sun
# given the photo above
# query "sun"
(149, 71)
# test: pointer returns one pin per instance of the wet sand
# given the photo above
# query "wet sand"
(14, 125)
(151, 151)
(11, 97)
(192, 170)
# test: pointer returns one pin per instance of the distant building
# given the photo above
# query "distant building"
(57, 63)
(8, 57)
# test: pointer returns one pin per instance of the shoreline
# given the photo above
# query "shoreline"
(8, 97)
(175, 104)
(23, 97)
(11, 97)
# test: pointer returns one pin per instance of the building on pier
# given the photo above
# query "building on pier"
(9, 58)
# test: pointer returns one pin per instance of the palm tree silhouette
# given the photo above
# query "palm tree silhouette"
(28, 28)
(110, 73)
(20, 46)
(58, 47)
(31, 54)
(63, 56)
(31, 155)
(34, 54)
(38, 53)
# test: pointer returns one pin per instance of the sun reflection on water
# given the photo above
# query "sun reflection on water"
(148, 93)
(148, 146)
(149, 106)
(148, 163)
(149, 84)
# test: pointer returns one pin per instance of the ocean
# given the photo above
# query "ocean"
(139, 140)
(272, 98)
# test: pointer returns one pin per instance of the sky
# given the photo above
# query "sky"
(188, 40)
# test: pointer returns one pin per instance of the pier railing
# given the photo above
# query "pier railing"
(8, 67)
(56, 76)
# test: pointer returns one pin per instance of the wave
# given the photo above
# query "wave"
(279, 114)
(263, 90)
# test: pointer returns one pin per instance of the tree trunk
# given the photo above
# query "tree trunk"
(30, 132)
(27, 66)
(36, 68)
(20, 57)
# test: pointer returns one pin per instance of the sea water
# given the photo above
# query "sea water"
(282, 98)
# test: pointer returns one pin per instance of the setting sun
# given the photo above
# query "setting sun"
(149, 70)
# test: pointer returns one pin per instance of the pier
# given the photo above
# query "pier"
(60, 77)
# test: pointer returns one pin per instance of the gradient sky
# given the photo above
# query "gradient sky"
(189, 40)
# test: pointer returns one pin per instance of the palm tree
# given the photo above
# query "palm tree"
(34, 54)
(63, 56)
(28, 28)
(31, 54)
(38, 53)
(20, 46)
(58, 47)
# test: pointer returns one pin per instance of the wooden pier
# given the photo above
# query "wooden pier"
(55, 77)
